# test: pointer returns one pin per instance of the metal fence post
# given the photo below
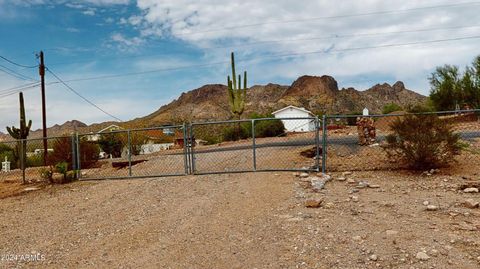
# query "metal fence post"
(324, 144)
(129, 154)
(185, 150)
(192, 150)
(74, 155)
(317, 144)
(79, 164)
(254, 146)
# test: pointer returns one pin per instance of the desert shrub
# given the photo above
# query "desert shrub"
(269, 128)
(422, 142)
(34, 161)
(112, 144)
(392, 107)
(236, 132)
(47, 173)
(137, 140)
(62, 152)
(89, 154)
(62, 168)
(9, 152)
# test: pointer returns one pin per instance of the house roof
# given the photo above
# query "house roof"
(293, 107)
(109, 127)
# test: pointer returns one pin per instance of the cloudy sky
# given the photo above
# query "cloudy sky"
(130, 57)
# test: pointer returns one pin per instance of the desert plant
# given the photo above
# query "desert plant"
(7, 151)
(450, 89)
(112, 144)
(269, 128)
(236, 93)
(422, 142)
(236, 132)
(392, 107)
(62, 168)
(47, 173)
(21, 134)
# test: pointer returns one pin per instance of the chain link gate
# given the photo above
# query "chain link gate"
(265, 144)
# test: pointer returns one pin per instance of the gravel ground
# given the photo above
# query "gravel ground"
(251, 220)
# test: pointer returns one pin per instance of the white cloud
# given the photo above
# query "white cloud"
(125, 43)
(210, 23)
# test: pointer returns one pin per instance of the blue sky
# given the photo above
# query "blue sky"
(95, 38)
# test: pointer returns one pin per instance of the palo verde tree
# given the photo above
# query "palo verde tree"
(451, 89)
(236, 93)
(21, 134)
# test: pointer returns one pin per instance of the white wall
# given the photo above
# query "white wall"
(296, 125)
(151, 148)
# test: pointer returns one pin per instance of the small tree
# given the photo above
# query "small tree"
(422, 142)
(112, 144)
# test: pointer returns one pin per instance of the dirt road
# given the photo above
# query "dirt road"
(253, 220)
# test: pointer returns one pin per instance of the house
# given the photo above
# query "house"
(96, 136)
(296, 125)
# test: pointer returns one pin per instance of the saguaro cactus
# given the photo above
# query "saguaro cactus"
(21, 134)
(236, 93)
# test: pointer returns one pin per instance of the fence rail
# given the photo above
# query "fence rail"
(334, 143)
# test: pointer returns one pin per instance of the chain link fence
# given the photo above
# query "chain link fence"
(337, 143)
(149, 152)
(35, 165)
(268, 144)
(355, 142)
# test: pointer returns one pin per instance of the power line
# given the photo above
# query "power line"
(268, 56)
(15, 73)
(11, 92)
(17, 64)
(246, 44)
(332, 17)
(79, 95)
(20, 86)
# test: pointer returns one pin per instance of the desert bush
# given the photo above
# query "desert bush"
(112, 144)
(236, 132)
(422, 142)
(392, 107)
(35, 161)
(269, 128)
(62, 152)
(9, 152)
(89, 154)
(47, 173)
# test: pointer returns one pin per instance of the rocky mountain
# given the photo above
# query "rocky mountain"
(207, 103)
(317, 94)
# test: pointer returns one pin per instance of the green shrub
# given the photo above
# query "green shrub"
(35, 160)
(112, 144)
(236, 132)
(47, 173)
(269, 128)
(392, 107)
(62, 168)
(89, 154)
(62, 152)
(422, 142)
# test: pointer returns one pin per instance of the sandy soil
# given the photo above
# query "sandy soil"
(251, 220)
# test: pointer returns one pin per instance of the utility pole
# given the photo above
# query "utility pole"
(41, 71)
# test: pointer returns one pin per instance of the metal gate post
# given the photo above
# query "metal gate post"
(324, 144)
(317, 144)
(185, 150)
(74, 154)
(129, 154)
(254, 146)
(79, 166)
(192, 150)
